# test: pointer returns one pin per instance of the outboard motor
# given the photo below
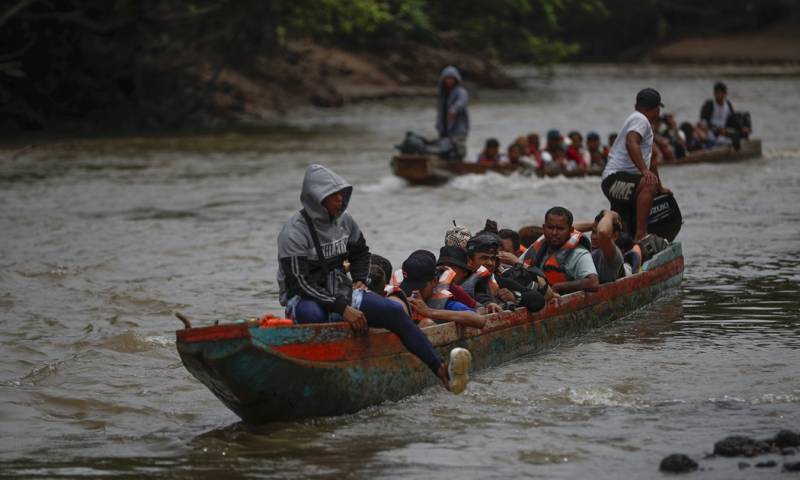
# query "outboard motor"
(665, 217)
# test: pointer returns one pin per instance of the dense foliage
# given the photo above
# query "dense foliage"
(155, 61)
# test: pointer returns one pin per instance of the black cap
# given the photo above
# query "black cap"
(383, 263)
(483, 242)
(720, 86)
(592, 136)
(418, 269)
(453, 256)
(648, 98)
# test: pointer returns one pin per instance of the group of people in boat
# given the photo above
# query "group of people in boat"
(327, 272)
(719, 125)
(474, 274)
(558, 155)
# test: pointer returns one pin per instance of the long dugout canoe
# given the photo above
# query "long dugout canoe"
(432, 170)
(302, 371)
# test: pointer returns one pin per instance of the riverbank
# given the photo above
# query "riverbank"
(306, 74)
(776, 45)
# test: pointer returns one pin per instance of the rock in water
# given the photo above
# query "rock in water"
(787, 438)
(739, 445)
(677, 463)
(791, 467)
(768, 464)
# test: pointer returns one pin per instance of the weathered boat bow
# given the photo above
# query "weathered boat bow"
(293, 372)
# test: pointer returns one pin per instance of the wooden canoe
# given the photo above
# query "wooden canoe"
(295, 372)
(432, 170)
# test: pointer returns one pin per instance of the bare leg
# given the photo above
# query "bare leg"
(644, 200)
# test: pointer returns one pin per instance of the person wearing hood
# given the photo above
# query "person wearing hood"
(452, 119)
(306, 277)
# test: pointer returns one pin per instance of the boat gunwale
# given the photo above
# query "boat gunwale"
(440, 335)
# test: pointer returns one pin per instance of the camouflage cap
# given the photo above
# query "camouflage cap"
(457, 237)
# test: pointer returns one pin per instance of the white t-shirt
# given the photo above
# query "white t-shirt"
(719, 117)
(618, 158)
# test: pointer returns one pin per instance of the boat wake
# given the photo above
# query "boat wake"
(389, 183)
(516, 181)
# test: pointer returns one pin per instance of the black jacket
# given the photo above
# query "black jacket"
(708, 110)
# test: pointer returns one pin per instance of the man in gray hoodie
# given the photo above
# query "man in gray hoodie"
(303, 283)
(452, 119)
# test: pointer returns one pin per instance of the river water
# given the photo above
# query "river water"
(103, 240)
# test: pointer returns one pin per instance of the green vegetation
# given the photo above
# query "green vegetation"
(155, 63)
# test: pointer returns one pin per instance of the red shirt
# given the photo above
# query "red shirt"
(460, 295)
(577, 155)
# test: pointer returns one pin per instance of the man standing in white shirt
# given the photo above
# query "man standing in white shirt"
(630, 178)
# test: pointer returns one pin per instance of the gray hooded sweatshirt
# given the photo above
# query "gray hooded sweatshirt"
(454, 101)
(300, 269)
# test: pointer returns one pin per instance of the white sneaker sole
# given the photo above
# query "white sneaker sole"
(458, 368)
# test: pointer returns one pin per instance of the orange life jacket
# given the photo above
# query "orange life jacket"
(393, 288)
(441, 292)
(553, 265)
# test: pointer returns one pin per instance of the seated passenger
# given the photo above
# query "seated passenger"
(673, 134)
(598, 155)
(490, 156)
(718, 113)
(420, 279)
(560, 161)
(305, 271)
(516, 158)
(482, 261)
(380, 272)
(533, 150)
(661, 142)
(553, 150)
(577, 156)
(509, 244)
(529, 234)
(692, 141)
(707, 137)
(488, 284)
(563, 254)
(607, 257)
(456, 259)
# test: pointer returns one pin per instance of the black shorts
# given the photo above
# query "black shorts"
(620, 187)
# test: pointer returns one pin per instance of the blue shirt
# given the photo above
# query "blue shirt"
(457, 306)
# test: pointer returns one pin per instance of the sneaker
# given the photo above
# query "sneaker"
(458, 369)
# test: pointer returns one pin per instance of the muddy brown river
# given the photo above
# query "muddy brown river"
(101, 241)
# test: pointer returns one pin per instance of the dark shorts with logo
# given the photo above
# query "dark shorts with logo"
(620, 189)
(621, 186)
